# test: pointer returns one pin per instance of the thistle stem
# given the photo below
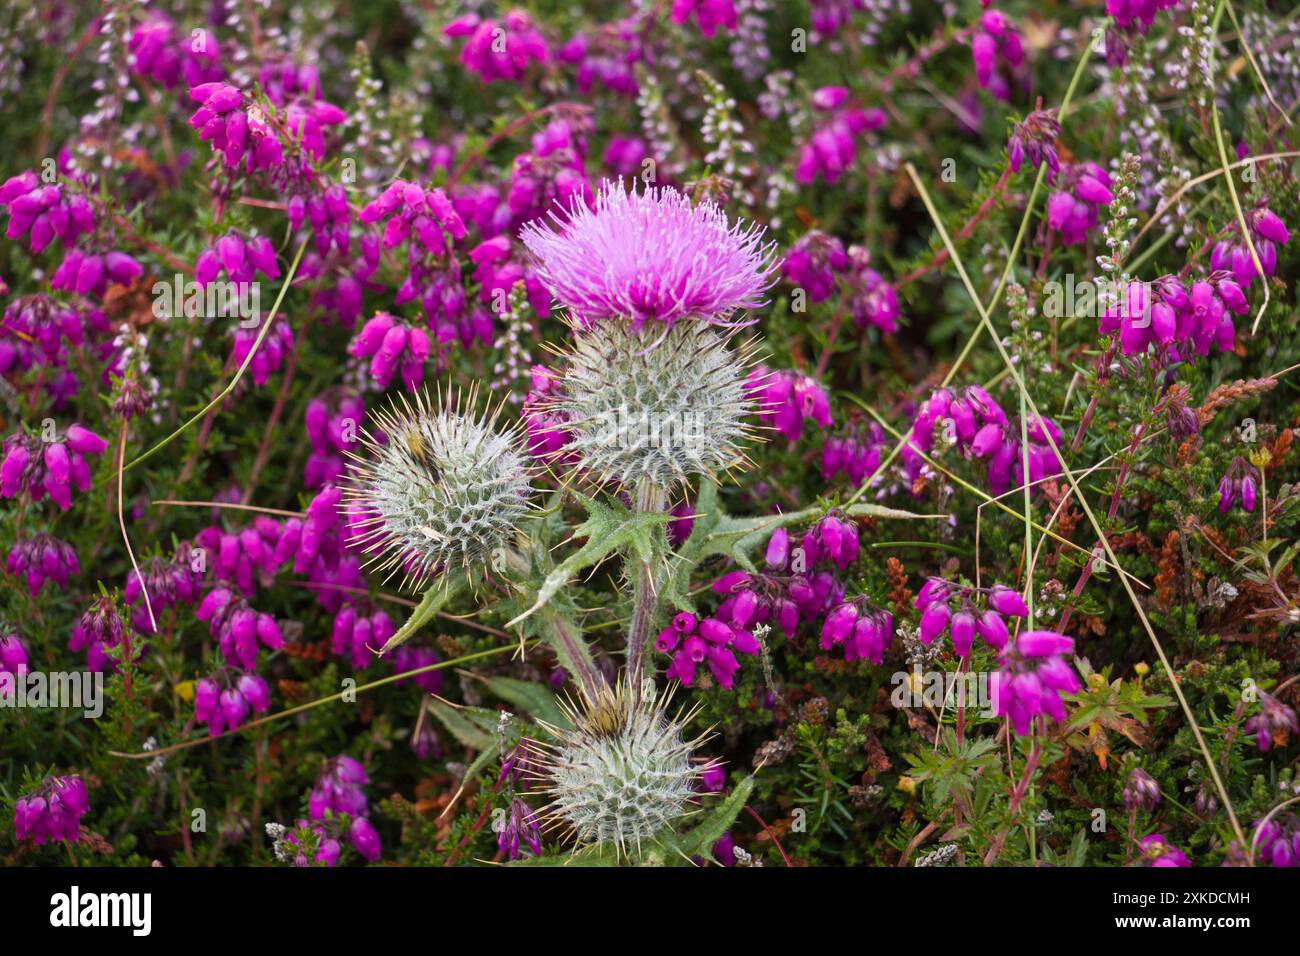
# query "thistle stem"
(649, 499)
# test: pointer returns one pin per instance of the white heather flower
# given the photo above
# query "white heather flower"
(445, 490)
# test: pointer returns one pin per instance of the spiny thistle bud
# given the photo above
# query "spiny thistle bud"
(659, 414)
(622, 773)
(445, 490)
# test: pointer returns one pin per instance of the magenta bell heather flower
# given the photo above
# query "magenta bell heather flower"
(46, 210)
(245, 557)
(236, 129)
(169, 583)
(238, 628)
(625, 155)
(608, 55)
(96, 632)
(871, 300)
(1141, 792)
(996, 38)
(89, 273)
(306, 836)
(1155, 850)
(240, 257)
(1075, 208)
(340, 789)
(328, 214)
(1240, 485)
(1034, 673)
(551, 175)
(946, 606)
(37, 321)
(392, 344)
(832, 149)
(863, 629)
(1274, 723)
(649, 254)
(52, 811)
(813, 263)
(13, 653)
(42, 558)
(226, 709)
(333, 422)
(410, 657)
(407, 209)
(710, 641)
(788, 399)
(365, 840)
(49, 468)
(857, 453)
(709, 14)
(788, 592)
(972, 421)
(498, 270)
(1034, 138)
(543, 423)
(499, 51)
(1232, 254)
(1276, 842)
(1137, 14)
(270, 355)
(166, 56)
(520, 825)
(1164, 313)
(359, 633)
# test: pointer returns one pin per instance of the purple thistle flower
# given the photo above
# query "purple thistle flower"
(650, 254)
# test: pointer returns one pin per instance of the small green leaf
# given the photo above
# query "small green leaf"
(531, 698)
(608, 528)
(433, 601)
(475, 727)
(716, 822)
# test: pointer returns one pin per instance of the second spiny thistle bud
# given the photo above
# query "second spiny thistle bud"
(446, 491)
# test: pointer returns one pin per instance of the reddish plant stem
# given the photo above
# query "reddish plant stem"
(771, 833)
(1017, 797)
(965, 232)
(264, 448)
(474, 158)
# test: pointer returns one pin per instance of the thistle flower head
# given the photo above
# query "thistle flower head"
(650, 255)
(445, 489)
(621, 773)
(658, 415)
